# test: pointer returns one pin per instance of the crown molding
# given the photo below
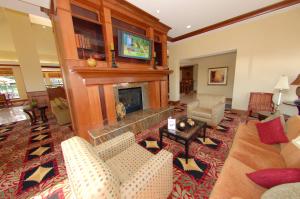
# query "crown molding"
(243, 17)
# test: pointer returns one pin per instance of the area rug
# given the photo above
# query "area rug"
(206, 158)
(31, 159)
(32, 163)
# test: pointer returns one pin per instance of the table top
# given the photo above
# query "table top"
(185, 134)
(291, 103)
(29, 108)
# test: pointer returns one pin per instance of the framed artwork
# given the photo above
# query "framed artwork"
(217, 76)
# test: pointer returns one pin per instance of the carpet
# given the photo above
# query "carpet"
(31, 159)
(35, 154)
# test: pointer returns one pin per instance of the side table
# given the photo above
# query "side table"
(30, 111)
(293, 104)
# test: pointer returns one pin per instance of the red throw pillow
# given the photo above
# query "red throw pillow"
(268, 178)
(271, 132)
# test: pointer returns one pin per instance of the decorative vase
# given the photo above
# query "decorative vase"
(91, 62)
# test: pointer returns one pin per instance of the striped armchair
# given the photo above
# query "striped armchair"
(118, 168)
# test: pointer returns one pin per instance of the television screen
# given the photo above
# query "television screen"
(134, 46)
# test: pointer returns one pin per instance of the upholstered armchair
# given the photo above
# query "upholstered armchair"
(208, 108)
(118, 168)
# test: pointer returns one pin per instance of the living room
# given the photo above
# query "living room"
(126, 130)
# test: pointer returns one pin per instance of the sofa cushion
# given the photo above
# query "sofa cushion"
(233, 182)
(268, 178)
(256, 156)
(293, 127)
(291, 155)
(248, 133)
(286, 191)
(271, 132)
(128, 162)
(202, 112)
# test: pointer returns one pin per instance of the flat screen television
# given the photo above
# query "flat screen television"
(134, 46)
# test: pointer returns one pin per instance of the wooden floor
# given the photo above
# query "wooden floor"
(14, 114)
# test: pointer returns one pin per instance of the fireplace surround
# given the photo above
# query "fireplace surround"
(134, 96)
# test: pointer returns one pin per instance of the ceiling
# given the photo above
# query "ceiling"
(178, 14)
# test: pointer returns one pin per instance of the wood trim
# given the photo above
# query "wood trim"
(9, 65)
(174, 103)
(110, 103)
(243, 17)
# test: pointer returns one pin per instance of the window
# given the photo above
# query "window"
(8, 84)
(52, 79)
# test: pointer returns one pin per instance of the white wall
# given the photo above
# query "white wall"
(223, 60)
(267, 47)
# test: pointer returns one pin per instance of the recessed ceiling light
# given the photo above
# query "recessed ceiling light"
(188, 26)
(44, 27)
(157, 11)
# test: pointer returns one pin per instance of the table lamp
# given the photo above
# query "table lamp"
(297, 83)
(282, 84)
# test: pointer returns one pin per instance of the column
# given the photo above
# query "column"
(24, 41)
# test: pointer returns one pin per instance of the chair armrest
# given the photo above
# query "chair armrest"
(110, 148)
(220, 107)
(192, 105)
(153, 180)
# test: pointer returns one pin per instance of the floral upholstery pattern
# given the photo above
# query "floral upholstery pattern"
(118, 168)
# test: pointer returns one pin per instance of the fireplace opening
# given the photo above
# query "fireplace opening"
(132, 98)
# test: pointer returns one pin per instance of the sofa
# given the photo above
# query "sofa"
(249, 154)
(208, 108)
(118, 168)
(60, 109)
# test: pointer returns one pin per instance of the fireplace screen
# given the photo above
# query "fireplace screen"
(131, 98)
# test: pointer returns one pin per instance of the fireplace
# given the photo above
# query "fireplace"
(132, 98)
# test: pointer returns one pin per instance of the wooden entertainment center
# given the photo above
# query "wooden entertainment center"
(85, 28)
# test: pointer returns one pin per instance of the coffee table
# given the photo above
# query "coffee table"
(183, 137)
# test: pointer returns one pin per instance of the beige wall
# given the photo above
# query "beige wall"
(224, 60)
(267, 47)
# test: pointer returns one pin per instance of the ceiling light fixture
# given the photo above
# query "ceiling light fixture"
(188, 26)
(157, 11)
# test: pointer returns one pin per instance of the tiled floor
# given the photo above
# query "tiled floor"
(14, 114)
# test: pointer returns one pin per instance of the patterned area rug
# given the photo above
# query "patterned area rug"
(34, 165)
(30, 158)
(196, 178)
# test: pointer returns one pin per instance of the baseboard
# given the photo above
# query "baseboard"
(238, 111)
(174, 103)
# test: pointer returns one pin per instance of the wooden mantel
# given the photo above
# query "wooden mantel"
(90, 91)
(99, 76)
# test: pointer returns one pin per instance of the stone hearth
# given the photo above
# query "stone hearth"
(134, 122)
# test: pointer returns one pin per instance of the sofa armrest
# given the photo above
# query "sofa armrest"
(192, 105)
(110, 148)
(153, 180)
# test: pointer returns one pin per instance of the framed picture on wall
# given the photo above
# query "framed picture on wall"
(217, 76)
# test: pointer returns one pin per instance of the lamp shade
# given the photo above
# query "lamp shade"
(283, 83)
(296, 81)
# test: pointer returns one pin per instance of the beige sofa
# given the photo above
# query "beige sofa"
(60, 109)
(208, 108)
(118, 168)
(249, 154)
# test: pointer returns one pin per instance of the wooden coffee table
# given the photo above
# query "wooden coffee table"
(183, 137)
